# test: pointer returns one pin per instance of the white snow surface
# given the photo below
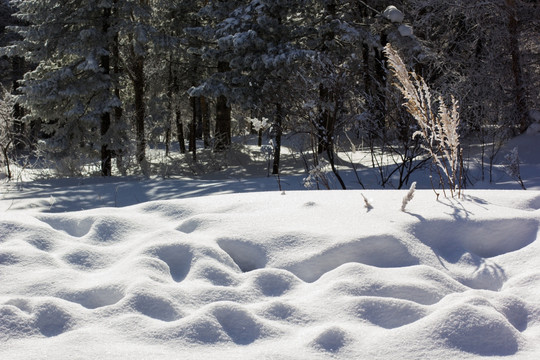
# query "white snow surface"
(304, 275)
(222, 269)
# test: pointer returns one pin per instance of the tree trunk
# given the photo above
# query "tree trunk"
(380, 85)
(278, 123)
(118, 151)
(196, 111)
(6, 159)
(17, 63)
(138, 89)
(105, 123)
(223, 117)
(168, 137)
(367, 72)
(256, 114)
(106, 168)
(517, 71)
(168, 129)
(325, 129)
(205, 109)
(326, 122)
(180, 131)
(331, 159)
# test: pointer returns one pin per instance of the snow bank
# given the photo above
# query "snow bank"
(306, 275)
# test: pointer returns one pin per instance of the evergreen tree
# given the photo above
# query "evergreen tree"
(336, 44)
(259, 60)
(70, 88)
(212, 16)
(136, 35)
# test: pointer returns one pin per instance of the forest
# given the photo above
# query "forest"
(96, 87)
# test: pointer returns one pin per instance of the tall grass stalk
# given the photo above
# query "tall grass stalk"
(438, 128)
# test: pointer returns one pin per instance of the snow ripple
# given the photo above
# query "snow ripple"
(337, 291)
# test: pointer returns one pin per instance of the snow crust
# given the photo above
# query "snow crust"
(305, 275)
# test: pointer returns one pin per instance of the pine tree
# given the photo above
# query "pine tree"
(70, 88)
(207, 31)
(336, 44)
(136, 30)
(258, 58)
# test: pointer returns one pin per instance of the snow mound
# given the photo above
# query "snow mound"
(474, 326)
(331, 340)
(393, 14)
(264, 275)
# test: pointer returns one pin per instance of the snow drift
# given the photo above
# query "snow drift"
(305, 275)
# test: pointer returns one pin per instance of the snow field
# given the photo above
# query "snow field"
(265, 275)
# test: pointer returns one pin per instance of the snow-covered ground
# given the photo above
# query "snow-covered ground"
(154, 269)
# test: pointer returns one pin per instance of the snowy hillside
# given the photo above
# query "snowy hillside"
(304, 275)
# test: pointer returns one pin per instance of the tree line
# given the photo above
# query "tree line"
(104, 80)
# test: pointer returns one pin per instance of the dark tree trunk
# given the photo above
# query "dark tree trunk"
(118, 111)
(331, 159)
(257, 115)
(517, 71)
(329, 117)
(180, 131)
(379, 93)
(6, 160)
(278, 129)
(367, 72)
(106, 154)
(168, 137)
(105, 123)
(199, 119)
(18, 112)
(138, 89)
(223, 117)
(168, 129)
(118, 152)
(205, 109)
(327, 121)
(196, 111)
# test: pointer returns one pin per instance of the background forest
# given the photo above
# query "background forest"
(126, 87)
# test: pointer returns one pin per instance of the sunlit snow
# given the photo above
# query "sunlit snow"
(268, 274)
